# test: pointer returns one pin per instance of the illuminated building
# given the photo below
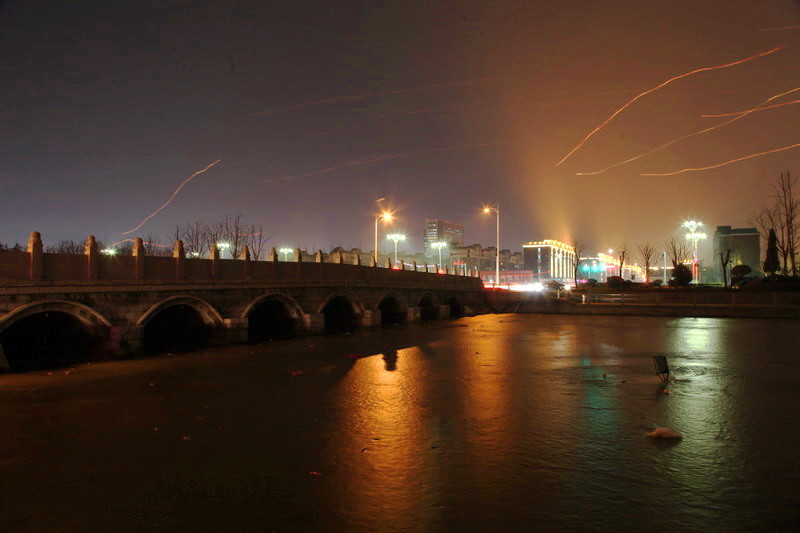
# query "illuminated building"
(477, 258)
(438, 230)
(549, 259)
(744, 244)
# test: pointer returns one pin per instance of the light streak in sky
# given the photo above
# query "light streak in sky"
(154, 213)
(355, 163)
(706, 130)
(725, 163)
(143, 242)
(675, 78)
(379, 158)
(780, 28)
(369, 95)
(751, 110)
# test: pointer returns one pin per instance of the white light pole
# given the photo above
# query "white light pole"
(496, 211)
(665, 268)
(386, 217)
(439, 245)
(285, 252)
(395, 238)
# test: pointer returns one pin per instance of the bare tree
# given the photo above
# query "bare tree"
(66, 247)
(788, 208)
(679, 251)
(577, 247)
(235, 233)
(769, 218)
(214, 233)
(194, 239)
(724, 259)
(153, 246)
(647, 254)
(255, 240)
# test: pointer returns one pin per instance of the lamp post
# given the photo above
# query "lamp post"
(693, 235)
(222, 247)
(496, 211)
(285, 252)
(395, 238)
(386, 217)
(439, 245)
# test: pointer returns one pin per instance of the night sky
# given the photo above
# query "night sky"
(106, 107)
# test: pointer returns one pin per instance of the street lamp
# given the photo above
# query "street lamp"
(496, 211)
(439, 245)
(386, 217)
(222, 247)
(395, 238)
(693, 235)
(285, 252)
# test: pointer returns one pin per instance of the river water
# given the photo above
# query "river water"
(490, 423)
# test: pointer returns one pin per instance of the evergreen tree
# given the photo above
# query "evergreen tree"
(771, 262)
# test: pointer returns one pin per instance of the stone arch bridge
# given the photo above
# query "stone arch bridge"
(123, 305)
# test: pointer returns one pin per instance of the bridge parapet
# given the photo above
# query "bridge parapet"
(34, 265)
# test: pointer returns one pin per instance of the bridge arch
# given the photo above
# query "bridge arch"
(272, 316)
(457, 309)
(428, 305)
(50, 334)
(178, 323)
(342, 310)
(393, 308)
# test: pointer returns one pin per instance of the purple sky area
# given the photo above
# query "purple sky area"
(106, 107)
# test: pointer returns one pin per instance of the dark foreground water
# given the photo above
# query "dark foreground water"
(492, 423)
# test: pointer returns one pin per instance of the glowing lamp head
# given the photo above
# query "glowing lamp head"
(386, 216)
(108, 251)
(486, 210)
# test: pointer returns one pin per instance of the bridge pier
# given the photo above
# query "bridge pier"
(125, 340)
(444, 311)
(413, 314)
(371, 318)
(235, 330)
(4, 366)
(314, 322)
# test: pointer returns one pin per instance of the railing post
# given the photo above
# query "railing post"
(92, 258)
(35, 256)
(180, 260)
(246, 262)
(213, 256)
(138, 258)
(273, 257)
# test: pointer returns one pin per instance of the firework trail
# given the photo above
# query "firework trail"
(759, 108)
(380, 158)
(706, 130)
(725, 163)
(703, 69)
(154, 213)
(780, 28)
(369, 95)
(143, 242)
(356, 163)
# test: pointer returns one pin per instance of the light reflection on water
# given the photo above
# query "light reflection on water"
(541, 419)
(488, 423)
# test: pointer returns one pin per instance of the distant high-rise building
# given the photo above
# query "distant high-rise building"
(744, 244)
(438, 230)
